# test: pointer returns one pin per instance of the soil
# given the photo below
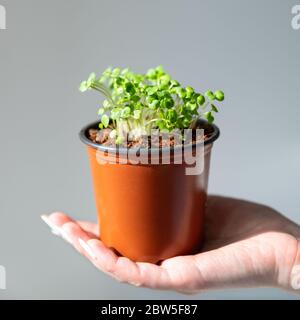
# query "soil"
(102, 138)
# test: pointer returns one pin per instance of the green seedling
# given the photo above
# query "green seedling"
(136, 103)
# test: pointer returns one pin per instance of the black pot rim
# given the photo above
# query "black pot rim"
(94, 125)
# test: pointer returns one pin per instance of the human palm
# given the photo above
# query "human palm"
(246, 245)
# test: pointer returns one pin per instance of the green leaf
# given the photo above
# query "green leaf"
(160, 70)
(172, 115)
(151, 90)
(100, 111)
(105, 120)
(137, 114)
(189, 92)
(167, 103)
(214, 108)
(219, 95)
(174, 83)
(102, 79)
(161, 124)
(181, 93)
(115, 113)
(165, 80)
(135, 98)
(192, 106)
(92, 77)
(154, 104)
(129, 88)
(119, 81)
(107, 72)
(210, 95)
(186, 123)
(83, 86)
(200, 100)
(138, 106)
(125, 112)
(119, 90)
(116, 72)
(209, 117)
(151, 74)
(106, 104)
(100, 126)
(125, 71)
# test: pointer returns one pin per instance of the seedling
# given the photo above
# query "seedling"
(135, 103)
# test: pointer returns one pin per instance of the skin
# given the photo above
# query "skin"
(246, 245)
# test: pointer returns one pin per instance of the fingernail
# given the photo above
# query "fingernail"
(56, 230)
(87, 248)
(295, 277)
(136, 284)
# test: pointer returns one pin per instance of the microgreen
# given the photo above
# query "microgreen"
(136, 103)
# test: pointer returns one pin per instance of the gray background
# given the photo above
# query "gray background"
(247, 48)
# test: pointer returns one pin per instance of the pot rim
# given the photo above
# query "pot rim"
(94, 125)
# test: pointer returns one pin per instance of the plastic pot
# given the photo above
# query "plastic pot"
(148, 212)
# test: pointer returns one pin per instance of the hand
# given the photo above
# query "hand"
(246, 245)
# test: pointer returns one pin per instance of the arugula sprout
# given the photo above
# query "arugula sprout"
(135, 103)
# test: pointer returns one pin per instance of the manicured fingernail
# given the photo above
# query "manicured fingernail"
(87, 248)
(56, 230)
(136, 284)
(295, 277)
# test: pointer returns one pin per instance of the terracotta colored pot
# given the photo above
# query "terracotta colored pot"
(148, 212)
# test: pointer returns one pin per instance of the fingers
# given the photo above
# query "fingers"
(83, 237)
(179, 273)
(120, 268)
(155, 277)
(55, 222)
(125, 270)
(89, 227)
(70, 230)
(58, 219)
